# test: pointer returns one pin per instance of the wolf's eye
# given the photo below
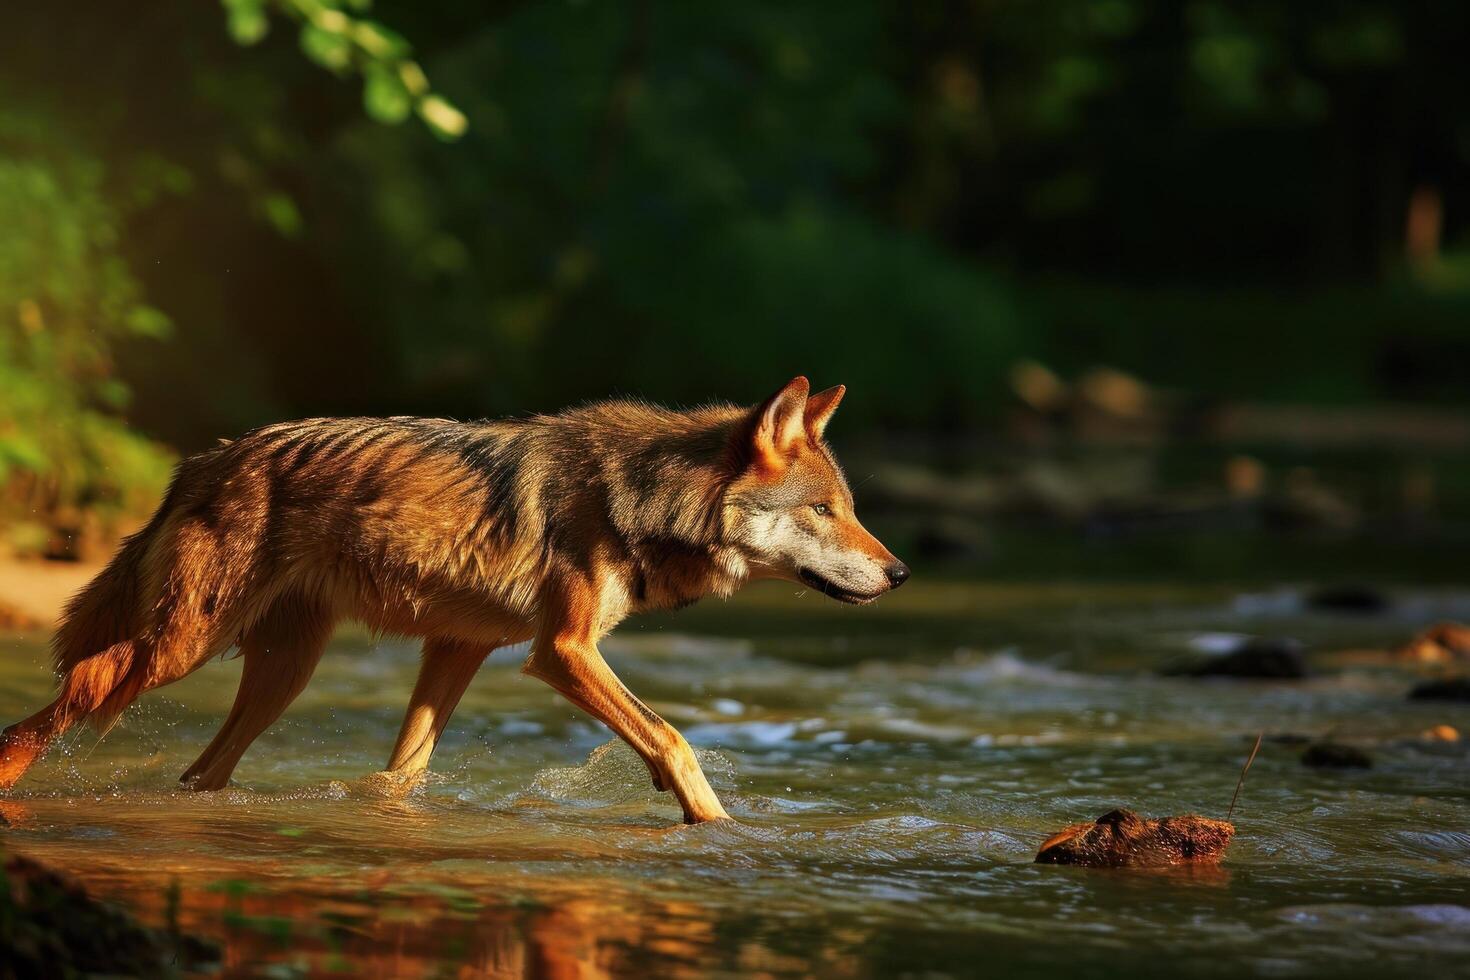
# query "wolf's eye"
(821, 509)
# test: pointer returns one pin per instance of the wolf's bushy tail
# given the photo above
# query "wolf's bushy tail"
(96, 649)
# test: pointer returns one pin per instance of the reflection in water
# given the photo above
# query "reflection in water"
(892, 775)
(444, 931)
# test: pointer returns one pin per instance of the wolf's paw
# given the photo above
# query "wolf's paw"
(203, 782)
(392, 784)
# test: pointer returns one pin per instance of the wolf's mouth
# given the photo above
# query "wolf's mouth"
(831, 589)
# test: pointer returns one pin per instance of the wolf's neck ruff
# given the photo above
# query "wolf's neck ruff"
(471, 535)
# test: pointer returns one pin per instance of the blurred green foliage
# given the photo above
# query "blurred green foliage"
(335, 36)
(692, 202)
(66, 297)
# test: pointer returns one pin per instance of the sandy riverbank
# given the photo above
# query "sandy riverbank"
(32, 593)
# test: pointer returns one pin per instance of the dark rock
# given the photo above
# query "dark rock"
(1349, 598)
(1335, 755)
(50, 926)
(1123, 839)
(1443, 689)
(1264, 657)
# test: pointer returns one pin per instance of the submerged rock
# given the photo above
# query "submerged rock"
(1441, 643)
(1335, 755)
(1349, 599)
(1276, 658)
(50, 926)
(1443, 689)
(1122, 839)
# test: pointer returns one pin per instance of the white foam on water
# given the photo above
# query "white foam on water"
(745, 734)
(613, 773)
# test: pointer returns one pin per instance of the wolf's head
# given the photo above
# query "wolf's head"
(790, 513)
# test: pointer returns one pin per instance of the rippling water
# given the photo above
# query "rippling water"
(892, 770)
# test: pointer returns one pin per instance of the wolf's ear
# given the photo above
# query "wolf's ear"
(780, 422)
(819, 409)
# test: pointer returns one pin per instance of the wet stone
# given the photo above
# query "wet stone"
(1122, 839)
(1335, 755)
(1273, 658)
(1442, 689)
(1363, 599)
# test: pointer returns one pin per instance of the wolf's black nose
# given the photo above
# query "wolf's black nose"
(898, 573)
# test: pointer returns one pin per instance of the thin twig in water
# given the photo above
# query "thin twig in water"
(1244, 769)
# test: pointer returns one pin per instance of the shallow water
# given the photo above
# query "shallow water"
(892, 770)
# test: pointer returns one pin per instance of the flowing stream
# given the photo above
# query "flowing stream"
(892, 770)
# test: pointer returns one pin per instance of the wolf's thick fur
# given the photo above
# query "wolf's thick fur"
(471, 535)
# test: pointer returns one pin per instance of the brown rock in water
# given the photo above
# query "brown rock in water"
(1440, 733)
(1123, 839)
(1335, 755)
(1441, 643)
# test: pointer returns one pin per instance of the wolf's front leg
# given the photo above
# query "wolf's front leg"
(565, 656)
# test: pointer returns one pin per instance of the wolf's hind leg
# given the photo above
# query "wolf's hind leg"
(100, 687)
(23, 744)
(280, 651)
(447, 669)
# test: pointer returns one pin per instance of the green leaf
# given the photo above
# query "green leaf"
(281, 213)
(445, 120)
(248, 27)
(385, 96)
(248, 23)
(112, 393)
(146, 321)
(380, 41)
(327, 48)
(413, 78)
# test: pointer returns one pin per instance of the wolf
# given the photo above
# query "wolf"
(471, 535)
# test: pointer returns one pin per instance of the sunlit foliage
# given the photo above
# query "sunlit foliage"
(66, 296)
(688, 201)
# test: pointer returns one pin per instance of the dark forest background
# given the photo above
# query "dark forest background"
(989, 218)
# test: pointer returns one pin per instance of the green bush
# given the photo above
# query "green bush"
(67, 460)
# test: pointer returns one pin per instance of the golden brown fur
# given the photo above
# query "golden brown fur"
(471, 535)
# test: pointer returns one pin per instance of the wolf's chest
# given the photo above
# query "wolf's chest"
(671, 578)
